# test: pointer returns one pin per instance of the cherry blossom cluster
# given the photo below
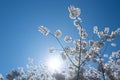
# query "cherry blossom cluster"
(85, 52)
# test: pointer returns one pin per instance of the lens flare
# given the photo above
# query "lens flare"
(54, 64)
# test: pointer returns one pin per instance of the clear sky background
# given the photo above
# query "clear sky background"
(19, 21)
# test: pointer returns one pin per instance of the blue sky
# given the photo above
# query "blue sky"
(19, 21)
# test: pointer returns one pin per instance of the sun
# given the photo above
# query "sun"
(54, 64)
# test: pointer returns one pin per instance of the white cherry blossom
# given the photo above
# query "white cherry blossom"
(58, 33)
(68, 39)
(74, 12)
(52, 50)
(95, 29)
(113, 44)
(43, 30)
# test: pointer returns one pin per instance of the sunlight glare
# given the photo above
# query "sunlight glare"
(54, 64)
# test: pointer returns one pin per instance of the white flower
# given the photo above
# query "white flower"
(118, 61)
(83, 52)
(113, 35)
(84, 35)
(68, 39)
(1, 77)
(21, 70)
(84, 44)
(75, 62)
(63, 55)
(113, 44)
(118, 30)
(91, 42)
(74, 12)
(43, 30)
(73, 51)
(58, 33)
(30, 61)
(51, 50)
(109, 38)
(33, 68)
(100, 34)
(106, 30)
(77, 22)
(95, 29)
(99, 44)
(79, 28)
(76, 43)
(67, 49)
(71, 73)
(116, 75)
(118, 52)
(106, 55)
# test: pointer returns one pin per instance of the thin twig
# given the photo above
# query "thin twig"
(64, 50)
(79, 54)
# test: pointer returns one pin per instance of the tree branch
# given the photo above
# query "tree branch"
(64, 50)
